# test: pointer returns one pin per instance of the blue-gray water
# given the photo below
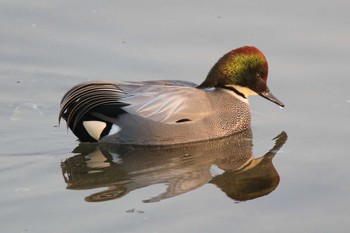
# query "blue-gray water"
(48, 46)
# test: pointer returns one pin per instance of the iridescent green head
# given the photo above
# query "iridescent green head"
(243, 70)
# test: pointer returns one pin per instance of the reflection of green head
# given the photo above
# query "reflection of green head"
(252, 183)
(245, 66)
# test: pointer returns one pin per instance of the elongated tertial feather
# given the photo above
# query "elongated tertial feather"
(85, 96)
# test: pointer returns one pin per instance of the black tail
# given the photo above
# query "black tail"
(91, 101)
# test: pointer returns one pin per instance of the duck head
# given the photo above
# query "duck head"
(243, 70)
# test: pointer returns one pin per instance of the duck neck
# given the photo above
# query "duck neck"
(233, 89)
(215, 78)
(221, 73)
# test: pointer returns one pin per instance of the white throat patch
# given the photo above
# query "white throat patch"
(244, 90)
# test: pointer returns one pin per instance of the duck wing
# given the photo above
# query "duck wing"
(162, 101)
(167, 103)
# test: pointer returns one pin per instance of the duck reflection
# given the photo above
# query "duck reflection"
(227, 163)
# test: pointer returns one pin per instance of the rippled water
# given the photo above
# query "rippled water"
(297, 182)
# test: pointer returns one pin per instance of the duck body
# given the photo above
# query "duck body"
(166, 112)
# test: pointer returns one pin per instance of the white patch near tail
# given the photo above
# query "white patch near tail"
(94, 128)
(115, 129)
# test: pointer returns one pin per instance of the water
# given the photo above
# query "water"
(48, 46)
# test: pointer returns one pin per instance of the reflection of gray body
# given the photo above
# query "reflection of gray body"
(228, 163)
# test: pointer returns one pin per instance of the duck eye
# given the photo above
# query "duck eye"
(258, 75)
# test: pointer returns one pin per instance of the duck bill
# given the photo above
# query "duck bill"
(269, 96)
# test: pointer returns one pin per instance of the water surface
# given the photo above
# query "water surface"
(48, 46)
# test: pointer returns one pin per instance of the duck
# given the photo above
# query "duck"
(170, 112)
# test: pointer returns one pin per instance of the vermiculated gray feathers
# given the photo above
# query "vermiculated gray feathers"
(157, 112)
